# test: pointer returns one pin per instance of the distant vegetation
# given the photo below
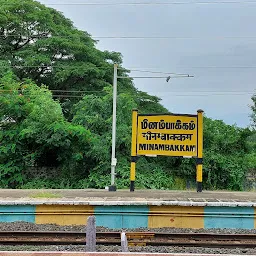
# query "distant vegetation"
(53, 138)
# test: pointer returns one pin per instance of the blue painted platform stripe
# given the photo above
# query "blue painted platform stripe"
(11, 213)
(122, 216)
(229, 217)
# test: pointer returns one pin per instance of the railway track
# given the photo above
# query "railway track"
(134, 239)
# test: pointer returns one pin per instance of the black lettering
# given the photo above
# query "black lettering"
(161, 124)
(168, 125)
(142, 146)
(178, 125)
(192, 148)
(177, 148)
(144, 124)
(151, 147)
(161, 147)
(152, 125)
(192, 125)
(185, 126)
(182, 148)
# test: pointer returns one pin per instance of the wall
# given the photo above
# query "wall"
(133, 216)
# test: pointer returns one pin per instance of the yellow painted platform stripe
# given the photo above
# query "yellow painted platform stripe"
(63, 214)
(176, 216)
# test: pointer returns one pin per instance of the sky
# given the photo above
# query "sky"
(214, 41)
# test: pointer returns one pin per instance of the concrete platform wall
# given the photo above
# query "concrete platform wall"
(133, 216)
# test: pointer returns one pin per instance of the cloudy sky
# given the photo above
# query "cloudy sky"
(212, 40)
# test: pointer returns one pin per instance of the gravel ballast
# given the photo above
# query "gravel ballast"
(153, 249)
(24, 226)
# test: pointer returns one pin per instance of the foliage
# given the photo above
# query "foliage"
(253, 108)
(42, 56)
(251, 156)
(225, 146)
(34, 132)
(41, 44)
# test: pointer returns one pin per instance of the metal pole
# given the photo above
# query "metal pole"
(113, 157)
(199, 160)
(134, 156)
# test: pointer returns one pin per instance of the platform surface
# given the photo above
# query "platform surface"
(125, 197)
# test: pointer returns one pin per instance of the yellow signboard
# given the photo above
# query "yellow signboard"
(168, 135)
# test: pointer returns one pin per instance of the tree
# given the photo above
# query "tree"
(34, 132)
(253, 115)
(225, 151)
(95, 114)
(251, 157)
(41, 44)
(41, 52)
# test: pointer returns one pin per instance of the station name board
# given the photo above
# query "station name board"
(168, 135)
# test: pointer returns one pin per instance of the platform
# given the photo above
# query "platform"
(125, 209)
(125, 197)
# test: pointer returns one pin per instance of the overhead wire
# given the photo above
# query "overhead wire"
(192, 91)
(152, 72)
(119, 68)
(135, 77)
(69, 91)
(174, 37)
(145, 3)
(143, 69)
(197, 67)
(161, 95)
(157, 37)
(173, 93)
(151, 3)
(139, 37)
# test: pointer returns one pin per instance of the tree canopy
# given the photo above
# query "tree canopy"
(53, 137)
(253, 115)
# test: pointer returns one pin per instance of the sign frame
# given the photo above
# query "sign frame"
(170, 142)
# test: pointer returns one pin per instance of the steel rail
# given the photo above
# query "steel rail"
(134, 239)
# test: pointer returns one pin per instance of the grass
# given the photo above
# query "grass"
(45, 195)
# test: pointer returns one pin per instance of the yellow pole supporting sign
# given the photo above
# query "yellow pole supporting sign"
(134, 148)
(199, 160)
